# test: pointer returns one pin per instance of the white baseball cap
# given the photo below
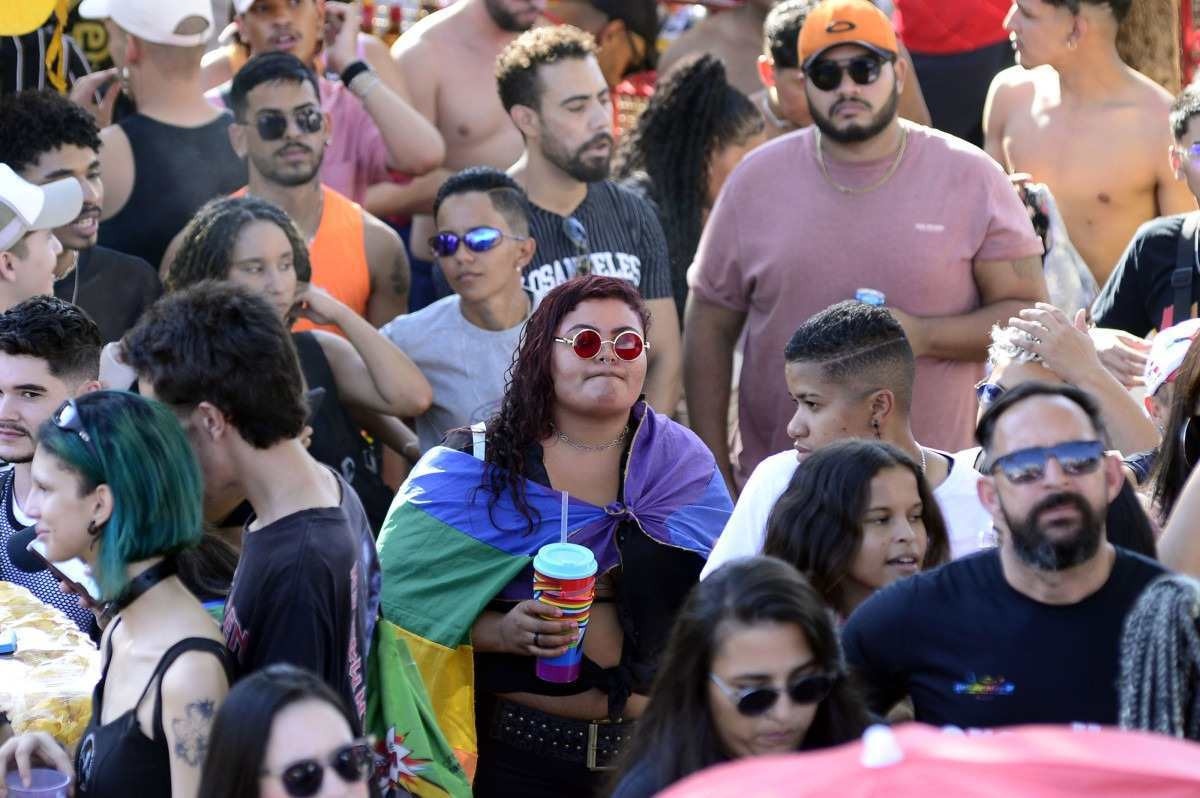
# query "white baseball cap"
(1167, 352)
(25, 207)
(155, 21)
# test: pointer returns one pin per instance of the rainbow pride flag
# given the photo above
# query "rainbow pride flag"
(445, 553)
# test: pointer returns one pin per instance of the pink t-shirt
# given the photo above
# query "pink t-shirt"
(782, 244)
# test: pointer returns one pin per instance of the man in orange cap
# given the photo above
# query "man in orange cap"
(860, 200)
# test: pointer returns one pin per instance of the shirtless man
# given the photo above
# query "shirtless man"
(449, 62)
(734, 36)
(1076, 118)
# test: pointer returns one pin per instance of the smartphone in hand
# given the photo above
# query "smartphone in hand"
(73, 573)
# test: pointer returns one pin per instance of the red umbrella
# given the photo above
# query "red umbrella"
(919, 760)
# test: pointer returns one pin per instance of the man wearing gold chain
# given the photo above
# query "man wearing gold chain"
(860, 200)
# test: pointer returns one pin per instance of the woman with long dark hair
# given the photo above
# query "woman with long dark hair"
(116, 485)
(1180, 448)
(753, 667)
(856, 516)
(573, 452)
(695, 130)
(283, 732)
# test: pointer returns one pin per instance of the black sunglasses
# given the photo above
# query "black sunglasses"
(67, 418)
(753, 701)
(477, 239)
(272, 125)
(576, 233)
(1024, 466)
(352, 763)
(826, 74)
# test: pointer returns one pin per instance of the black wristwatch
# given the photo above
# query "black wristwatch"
(355, 69)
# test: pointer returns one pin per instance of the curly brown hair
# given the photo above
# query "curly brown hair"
(517, 65)
(525, 417)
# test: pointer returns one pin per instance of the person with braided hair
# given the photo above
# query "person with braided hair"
(695, 130)
(1160, 654)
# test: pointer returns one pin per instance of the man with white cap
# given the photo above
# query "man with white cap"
(1167, 352)
(862, 199)
(162, 163)
(28, 249)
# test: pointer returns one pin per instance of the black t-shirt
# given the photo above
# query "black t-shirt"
(114, 289)
(1138, 293)
(624, 239)
(297, 597)
(973, 652)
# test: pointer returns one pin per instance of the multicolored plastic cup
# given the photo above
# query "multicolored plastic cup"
(43, 783)
(564, 576)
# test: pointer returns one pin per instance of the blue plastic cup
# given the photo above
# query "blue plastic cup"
(43, 783)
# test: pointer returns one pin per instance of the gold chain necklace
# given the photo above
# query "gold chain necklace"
(866, 189)
(593, 447)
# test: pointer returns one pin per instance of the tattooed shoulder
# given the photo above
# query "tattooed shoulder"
(192, 730)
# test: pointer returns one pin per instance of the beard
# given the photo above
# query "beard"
(1035, 547)
(854, 133)
(505, 20)
(585, 170)
(288, 175)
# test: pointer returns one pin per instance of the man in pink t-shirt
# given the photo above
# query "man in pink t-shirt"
(862, 200)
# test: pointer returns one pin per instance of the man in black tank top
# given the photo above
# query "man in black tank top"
(306, 589)
(173, 155)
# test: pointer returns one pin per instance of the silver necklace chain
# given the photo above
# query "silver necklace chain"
(594, 447)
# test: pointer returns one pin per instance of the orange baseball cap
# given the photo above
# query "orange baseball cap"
(835, 22)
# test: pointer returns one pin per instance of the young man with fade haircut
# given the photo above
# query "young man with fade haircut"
(284, 135)
(306, 589)
(551, 85)
(950, 246)
(781, 97)
(464, 343)
(449, 61)
(375, 129)
(162, 163)
(29, 249)
(1028, 632)
(49, 353)
(1155, 284)
(849, 373)
(1077, 119)
(44, 137)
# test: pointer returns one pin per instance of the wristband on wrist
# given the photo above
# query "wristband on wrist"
(355, 69)
(363, 83)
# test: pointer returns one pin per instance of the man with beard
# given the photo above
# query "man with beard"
(553, 89)
(49, 352)
(449, 62)
(1028, 632)
(46, 137)
(860, 200)
(282, 132)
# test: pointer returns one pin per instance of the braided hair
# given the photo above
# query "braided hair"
(1160, 660)
(693, 114)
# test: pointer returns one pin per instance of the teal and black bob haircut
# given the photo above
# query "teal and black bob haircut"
(137, 447)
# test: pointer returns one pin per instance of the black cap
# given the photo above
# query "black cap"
(639, 16)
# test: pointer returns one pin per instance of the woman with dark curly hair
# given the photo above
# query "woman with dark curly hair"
(753, 668)
(640, 491)
(693, 133)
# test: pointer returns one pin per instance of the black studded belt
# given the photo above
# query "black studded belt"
(595, 744)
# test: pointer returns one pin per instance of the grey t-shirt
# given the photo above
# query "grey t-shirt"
(466, 365)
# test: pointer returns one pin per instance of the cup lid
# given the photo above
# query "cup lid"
(565, 561)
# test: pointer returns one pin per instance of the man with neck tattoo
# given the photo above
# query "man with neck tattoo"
(950, 246)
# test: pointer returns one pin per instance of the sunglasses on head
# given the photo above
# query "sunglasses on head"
(477, 239)
(67, 418)
(1024, 466)
(577, 234)
(826, 74)
(272, 125)
(988, 392)
(586, 344)
(753, 701)
(352, 763)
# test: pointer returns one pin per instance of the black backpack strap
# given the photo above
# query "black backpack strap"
(1185, 269)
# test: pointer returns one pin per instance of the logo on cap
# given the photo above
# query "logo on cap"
(840, 26)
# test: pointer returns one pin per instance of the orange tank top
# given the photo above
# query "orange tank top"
(338, 255)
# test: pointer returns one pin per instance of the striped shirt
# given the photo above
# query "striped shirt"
(23, 61)
(616, 231)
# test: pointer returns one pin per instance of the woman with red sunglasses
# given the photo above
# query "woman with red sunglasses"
(753, 668)
(642, 493)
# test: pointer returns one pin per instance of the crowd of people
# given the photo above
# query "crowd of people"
(860, 367)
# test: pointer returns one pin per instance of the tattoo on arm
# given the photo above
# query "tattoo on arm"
(191, 732)
(400, 276)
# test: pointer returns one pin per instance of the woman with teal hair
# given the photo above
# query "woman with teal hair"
(115, 484)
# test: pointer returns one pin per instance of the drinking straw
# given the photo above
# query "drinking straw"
(562, 535)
